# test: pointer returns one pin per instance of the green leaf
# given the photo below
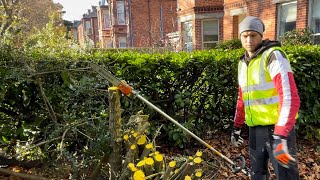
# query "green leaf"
(5, 140)
(175, 136)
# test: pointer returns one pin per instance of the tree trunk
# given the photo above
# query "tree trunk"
(115, 124)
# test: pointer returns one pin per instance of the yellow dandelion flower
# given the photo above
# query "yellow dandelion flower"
(126, 137)
(133, 169)
(130, 165)
(199, 174)
(199, 154)
(172, 164)
(187, 178)
(135, 134)
(139, 175)
(142, 140)
(149, 146)
(141, 163)
(197, 160)
(158, 157)
(133, 146)
(149, 161)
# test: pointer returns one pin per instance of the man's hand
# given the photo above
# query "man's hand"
(281, 153)
(236, 140)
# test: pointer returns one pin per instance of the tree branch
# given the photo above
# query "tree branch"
(21, 175)
(47, 103)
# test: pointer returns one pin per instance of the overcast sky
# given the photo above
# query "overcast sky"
(76, 8)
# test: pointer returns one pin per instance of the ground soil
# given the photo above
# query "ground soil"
(308, 158)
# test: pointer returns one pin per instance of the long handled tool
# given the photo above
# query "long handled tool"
(237, 165)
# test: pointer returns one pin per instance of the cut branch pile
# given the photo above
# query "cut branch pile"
(140, 159)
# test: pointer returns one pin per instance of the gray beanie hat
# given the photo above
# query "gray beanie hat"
(251, 23)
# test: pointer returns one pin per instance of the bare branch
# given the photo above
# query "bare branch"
(47, 103)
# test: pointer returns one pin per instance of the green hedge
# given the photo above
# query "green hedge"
(198, 89)
(305, 62)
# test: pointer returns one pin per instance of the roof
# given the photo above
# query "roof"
(76, 24)
(91, 13)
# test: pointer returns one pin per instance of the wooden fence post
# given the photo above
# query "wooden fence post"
(115, 125)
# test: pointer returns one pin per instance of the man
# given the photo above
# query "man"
(268, 103)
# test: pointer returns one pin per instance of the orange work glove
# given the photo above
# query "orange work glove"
(281, 153)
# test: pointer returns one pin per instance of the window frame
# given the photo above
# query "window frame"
(119, 41)
(123, 13)
(202, 31)
(279, 8)
(185, 34)
(88, 27)
(106, 18)
(310, 18)
(109, 44)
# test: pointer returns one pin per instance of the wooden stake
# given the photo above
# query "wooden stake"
(115, 124)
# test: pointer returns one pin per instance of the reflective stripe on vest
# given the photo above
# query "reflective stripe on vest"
(259, 94)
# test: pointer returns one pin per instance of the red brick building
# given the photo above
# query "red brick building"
(85, 31)
(190, 24)
(74, 30)
(141, 23)
(200, 23)
(279, 16)
(104, 25)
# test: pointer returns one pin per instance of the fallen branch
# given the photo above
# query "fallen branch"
(36, 145)
(61, 144)
(21, 175)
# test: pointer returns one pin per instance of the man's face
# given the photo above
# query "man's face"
(250, 41)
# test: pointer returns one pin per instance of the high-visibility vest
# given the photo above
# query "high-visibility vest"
(261, 99)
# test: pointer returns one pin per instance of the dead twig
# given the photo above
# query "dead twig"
(61, 144)
(47, 103)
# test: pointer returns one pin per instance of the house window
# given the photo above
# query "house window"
(88, 28)
(210, 33)
(120, 12)
(187, 36)
(106, 18)
(122, 42)
(287, 17)
(315, 20)
(108, 44)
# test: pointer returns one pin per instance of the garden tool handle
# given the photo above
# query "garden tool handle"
(234, 166)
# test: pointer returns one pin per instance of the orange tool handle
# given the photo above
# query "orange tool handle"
(125, 88)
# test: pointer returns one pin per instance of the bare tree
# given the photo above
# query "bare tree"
(24, 16)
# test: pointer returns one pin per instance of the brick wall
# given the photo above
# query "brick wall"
(197, 34)
(81, 39)
(302, 11)
(266, 10)
(141, 21)
(95, 30)
(185, 7)
(199, 3)
(196, 9)
(146, 21)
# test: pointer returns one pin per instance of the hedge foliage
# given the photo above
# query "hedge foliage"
(43, 96)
